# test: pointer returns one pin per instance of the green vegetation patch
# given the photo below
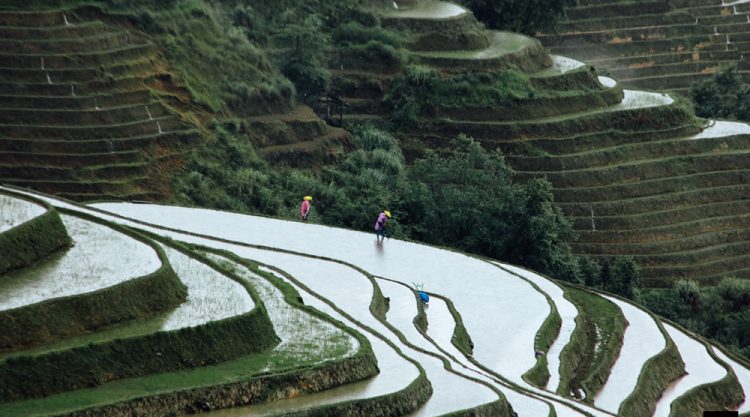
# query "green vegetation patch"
(138, 298)
(594, 346)
(33, 240)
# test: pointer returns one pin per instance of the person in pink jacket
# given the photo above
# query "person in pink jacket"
(380, 224)
(304, 209)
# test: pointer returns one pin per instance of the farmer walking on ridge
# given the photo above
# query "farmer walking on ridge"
(304, 209)
(380, 224)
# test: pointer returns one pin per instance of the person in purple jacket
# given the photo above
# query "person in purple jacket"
(380, 224)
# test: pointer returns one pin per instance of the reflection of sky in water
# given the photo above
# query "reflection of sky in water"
(100, 258)
(211, 295)
(14, 211)
(395, 373)
(568, 313)
(492, 301)
(301, 334)
(403, 308)
(641, 341)
(701, 369)
(431, 10)
(743, 375)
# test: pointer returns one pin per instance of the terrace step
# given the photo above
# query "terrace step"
(506, 50)
(73, 89)
(36, 18)
(664, 217)
(116, 130)
(645, 169)
(608, 156)
(105, 41)
(83, 29)
(76, 117)
(127, 189)
(635, 105)
(437, 26)
(70, 160)
(169, 139)
(616, 22)
(666, 201)
(75, 102)
(84, 59)
(78, 75)
(606, 10)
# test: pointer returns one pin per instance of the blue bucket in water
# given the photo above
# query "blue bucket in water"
(424, 297)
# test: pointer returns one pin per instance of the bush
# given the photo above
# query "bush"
(524, 16)
(722, 96)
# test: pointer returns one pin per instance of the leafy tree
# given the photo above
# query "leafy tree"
(303, 44)
(591, 271)
(625, 277)
(525, 16)
(722, 96)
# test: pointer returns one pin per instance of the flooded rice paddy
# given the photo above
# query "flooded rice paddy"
(15, 211)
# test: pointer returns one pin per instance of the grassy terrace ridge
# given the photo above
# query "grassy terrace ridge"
(55, 318)
(594, 345)
(33, 240)
(593, 157)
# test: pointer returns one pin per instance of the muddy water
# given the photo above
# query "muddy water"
(641, 341)
(568, 313)
(14, 211)
(87, 266)
(700, 366)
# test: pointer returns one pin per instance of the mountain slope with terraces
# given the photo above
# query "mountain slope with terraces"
(635, 171)
(656, 44)
(92, 108)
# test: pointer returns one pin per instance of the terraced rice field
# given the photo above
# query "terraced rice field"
(78, 117)
(656, 45)
(634, 170)
(271, 317)
(339, 283)
(15, 211)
